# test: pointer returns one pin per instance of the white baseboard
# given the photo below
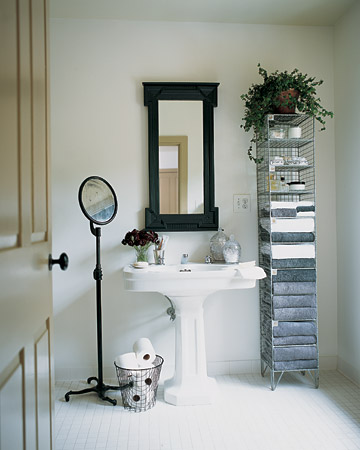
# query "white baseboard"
(214, 368)
(233, 367)
(349, 371)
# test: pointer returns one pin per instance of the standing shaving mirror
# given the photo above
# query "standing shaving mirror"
(97, 200)
(181, 156)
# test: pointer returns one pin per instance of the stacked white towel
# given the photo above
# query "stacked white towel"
(276, 205)
(290, 251)
(303, 225)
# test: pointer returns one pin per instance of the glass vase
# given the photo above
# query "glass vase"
(232, 251)
(217, 243)
(141, 253)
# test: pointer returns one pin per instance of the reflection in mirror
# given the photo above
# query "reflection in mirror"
(181, 186)
(173, 174)
(97, 200)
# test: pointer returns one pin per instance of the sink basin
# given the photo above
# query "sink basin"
(192, 279)
(188, 285)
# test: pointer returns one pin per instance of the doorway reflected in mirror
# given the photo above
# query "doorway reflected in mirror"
(181, 157)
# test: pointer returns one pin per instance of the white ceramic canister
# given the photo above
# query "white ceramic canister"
(296, 186)
(294, 133)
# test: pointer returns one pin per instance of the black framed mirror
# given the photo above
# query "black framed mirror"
(181, 156)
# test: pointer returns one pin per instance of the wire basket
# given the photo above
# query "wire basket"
(141, 395)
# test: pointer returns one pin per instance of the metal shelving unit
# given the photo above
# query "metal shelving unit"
(287, 249)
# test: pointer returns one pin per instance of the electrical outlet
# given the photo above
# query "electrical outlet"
(242, 203)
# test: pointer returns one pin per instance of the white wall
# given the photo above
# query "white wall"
(347, 100)
(99, 126)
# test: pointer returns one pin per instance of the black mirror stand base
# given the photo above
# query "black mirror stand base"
(100, 387)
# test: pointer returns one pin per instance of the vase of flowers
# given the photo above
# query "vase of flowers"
(140, 241)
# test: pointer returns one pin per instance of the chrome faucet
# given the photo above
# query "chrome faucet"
(208, 259)
(184, 258)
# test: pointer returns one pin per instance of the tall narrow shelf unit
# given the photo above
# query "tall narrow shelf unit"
(287, 247)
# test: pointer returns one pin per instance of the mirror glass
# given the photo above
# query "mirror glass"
(97, 200)
(181, 179)
(181, 156)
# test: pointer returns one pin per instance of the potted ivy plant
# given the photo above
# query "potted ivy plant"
(280, 93)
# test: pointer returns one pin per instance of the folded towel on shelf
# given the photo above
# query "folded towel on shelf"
(294, 301)
(294, 288)
(286, 237)
(302, 203)
(305, 224)
(279, 251)
(278, 212)
(294, 313)
(284, 212)
(294, 275)
(295, 352)
(294, 340)
(290, 263)
(292, 237)
(305, 208)
(294, 329)
(306, 364)
(290, 209)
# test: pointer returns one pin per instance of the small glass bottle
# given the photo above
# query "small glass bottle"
(217, 243)
(283, 185)
(232, 251)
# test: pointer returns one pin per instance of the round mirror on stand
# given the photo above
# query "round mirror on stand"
(98, 202)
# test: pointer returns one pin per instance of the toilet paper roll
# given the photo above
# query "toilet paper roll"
(138, 400)
(143, 383)
(127, 361)
(144, 352)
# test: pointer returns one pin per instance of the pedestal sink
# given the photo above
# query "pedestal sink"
(188, 286)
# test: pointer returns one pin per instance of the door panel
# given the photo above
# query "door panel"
(8, 122)
(25, 229)
(43, 389)
(12, 411)
(39, 155)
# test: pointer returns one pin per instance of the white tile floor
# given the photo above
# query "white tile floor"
(246, 415)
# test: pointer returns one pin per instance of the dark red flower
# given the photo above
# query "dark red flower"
(140, 238)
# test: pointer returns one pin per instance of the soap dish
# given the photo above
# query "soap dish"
(140, 265)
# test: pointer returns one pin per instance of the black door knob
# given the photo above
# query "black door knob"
(63, 261)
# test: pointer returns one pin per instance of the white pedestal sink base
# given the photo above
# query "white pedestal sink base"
(190, 384)
(194, 392)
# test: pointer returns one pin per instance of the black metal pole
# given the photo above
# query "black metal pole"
(100, 388)
(98, 278)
